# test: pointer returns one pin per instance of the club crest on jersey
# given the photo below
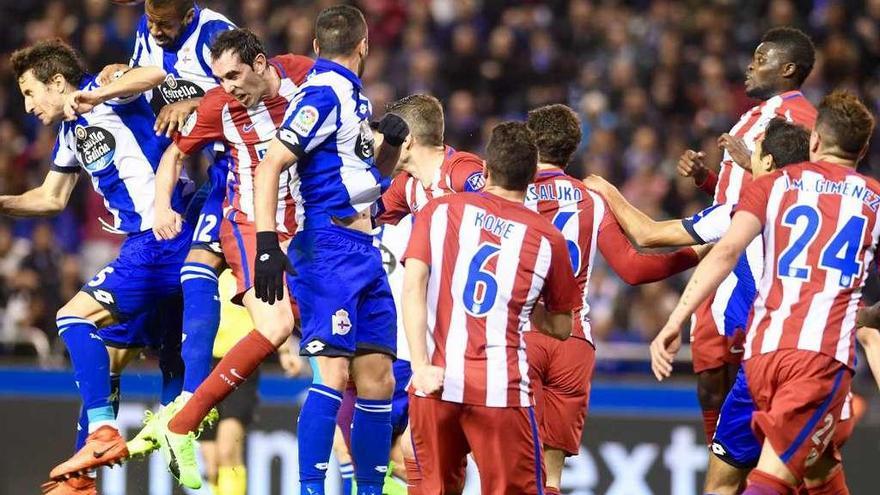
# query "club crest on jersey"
(341, 323)
(95, 147)
(304, 120)
(189, 124)
(475, 182)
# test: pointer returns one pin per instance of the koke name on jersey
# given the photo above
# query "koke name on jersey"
(494, 225)
(823, 186)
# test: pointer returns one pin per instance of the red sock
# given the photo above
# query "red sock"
(761, 483)
(413, 476)
(710, 421)
(243, 358)
(836, 485)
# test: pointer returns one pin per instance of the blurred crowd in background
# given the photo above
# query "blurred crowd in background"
(649, 79)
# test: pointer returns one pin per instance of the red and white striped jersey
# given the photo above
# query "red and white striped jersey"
(247, 133)
(578, 213)
(490, 261)
(460, 172)
(820, 231)
(792, 106)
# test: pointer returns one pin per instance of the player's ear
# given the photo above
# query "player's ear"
(815, 142)
(789, 69)
(189, 16)
(58, 83)
(260, 63)
(315, 47)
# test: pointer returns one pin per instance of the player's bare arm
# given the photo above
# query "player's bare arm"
(556, 325)
(870, 339)
(112, 71)
(48, 199)
(705, 280)
(133, 82)
(173, 116)
(646, 231)
(168, 222)
(426, 378)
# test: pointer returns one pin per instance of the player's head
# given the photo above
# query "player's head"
(557, 133)
(843, 128)
(423, 115)
(168, 19)
(238, 60)
(45, 72)
(511, 157)
(783, 143)
(780, 63)
(341, 32)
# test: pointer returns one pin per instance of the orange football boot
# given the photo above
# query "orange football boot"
(104, 447)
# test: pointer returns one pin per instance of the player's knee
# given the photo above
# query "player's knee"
(277, 329)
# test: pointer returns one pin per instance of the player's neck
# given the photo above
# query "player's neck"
(833, 159)
(352, 62)
(548, 166)
(424, 163)
(273, 82)
(510, 195)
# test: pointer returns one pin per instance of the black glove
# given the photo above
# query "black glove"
(393, 129)
(269, 267)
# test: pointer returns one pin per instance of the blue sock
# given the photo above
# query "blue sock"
(115, 392)
(347, 472)
(371, 443)
(91, 365)
(314, 431)
(173, 373)
(82, 429)
(201, 317)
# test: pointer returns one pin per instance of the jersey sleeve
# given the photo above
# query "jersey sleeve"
(466, 173)
(140, 56)
(560, 292)
(633, 266)
(63, 157)
(202, 127)
(419, 246)
(755, 196)
(708, 185)
(709, 225)
(314, 118)
(393, 205)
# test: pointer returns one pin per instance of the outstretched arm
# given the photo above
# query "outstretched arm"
(643, 229)
(168, 222)
(50, 198)
(133, 82)
(870, 340)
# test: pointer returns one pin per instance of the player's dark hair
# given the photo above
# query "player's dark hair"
(787, 143)
(844, 123)
(512, 156)
(798, 48)
(179, 6)
(557, 133)
(239, 41)
(339, 29)
(47, 58)
(423, 115)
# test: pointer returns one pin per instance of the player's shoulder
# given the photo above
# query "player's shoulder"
(795, 107)
(214, 19)
(295, 67)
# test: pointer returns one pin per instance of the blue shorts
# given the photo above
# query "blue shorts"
(144, 276)
(205, 210)
(734, 441)
(400, 400)
(343, 294)
(159, 328)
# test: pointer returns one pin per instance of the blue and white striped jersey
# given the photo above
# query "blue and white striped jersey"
(710, 224)
(116, 145)
(327, 128)
(188, 63)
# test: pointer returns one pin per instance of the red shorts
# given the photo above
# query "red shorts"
(238, 240)
(561, 372)
(799, 400)
(709, 346)
(503, 440)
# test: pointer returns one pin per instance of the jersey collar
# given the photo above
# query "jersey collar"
(325, 65)
(189, 29)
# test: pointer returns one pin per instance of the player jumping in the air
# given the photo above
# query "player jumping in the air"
(820, 227)
(110, 135)
(780, 64)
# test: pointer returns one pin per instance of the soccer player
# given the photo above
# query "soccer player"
(780, 64)
(476, 267)
(176, 35)
(348, 316)
(111, 139)
(243, 113)
(562, 371)
(734, 446)
(820, 227)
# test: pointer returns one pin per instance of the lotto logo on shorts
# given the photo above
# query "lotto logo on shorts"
(341, 323)
(315, 346)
